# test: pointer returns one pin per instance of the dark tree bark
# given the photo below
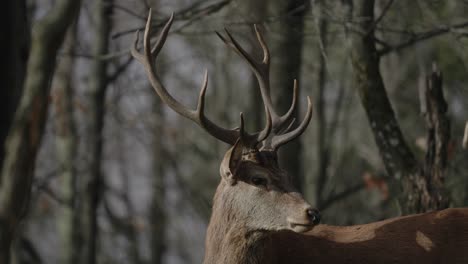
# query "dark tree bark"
(25, 133)
(286, 52)
(92, 184)
(322, 138)
(398, 159)
(438, 139)
(15, 40)
(158, 203)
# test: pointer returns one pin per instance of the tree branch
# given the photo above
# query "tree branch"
(341, 195)
(420, 37)
(189, 15)
(384, 11)
(119, 70)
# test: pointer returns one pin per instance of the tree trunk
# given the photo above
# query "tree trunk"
(25, 133)
(158, 212)
(438, 140)
(286, 41)
(323, 152)
(97, 87)
(398, 159)
(15, 40)
(66, 147)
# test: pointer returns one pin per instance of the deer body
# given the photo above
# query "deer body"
(259, 217)
(430, 238)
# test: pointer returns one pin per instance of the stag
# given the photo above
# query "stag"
(259, 217)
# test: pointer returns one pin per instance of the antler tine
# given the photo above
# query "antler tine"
(148, 58)
(201, 96)
(287, 128)
(261, 40)
(134, 49)
(285, 119)
(279, 140)
(253, 140)
(261, 72)
(162, 36)
(260, 69)
(238, 48)
(268, 127)
(281, 124)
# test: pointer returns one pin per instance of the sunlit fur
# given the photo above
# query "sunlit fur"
(244, 214)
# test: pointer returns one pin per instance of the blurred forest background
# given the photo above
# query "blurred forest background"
(96, 170)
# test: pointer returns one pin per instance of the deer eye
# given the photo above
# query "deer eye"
(259, 181)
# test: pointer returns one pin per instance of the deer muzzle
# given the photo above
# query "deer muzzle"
(303, 217)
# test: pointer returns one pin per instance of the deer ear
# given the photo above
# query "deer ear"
(231, 163)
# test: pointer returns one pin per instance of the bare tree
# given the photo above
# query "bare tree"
(158, 203)
(420, 192)
(66, 147)
(25, 133)
(16, 40)
(323, 151)
(286, 45)
(93, 183)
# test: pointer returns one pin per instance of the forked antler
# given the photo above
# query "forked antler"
(282, 131)
(280, 126)
(148, 59)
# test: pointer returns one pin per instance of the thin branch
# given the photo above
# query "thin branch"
(102, 57)
(190, 14)
(128, 11)
(121, 223)
(341, 195)
(46, 190)
(119, 70)
(421, 37)
(384, 11)
(30, 250)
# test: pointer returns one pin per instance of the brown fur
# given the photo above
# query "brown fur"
(430, 238)
(234, 237)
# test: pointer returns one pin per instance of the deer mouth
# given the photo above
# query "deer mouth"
(300, 227)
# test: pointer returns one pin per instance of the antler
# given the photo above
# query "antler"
(282, 125)
(148, 59)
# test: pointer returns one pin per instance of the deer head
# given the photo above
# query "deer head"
(260, 194)
(254, 190)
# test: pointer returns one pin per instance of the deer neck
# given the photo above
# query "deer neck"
(229, 240)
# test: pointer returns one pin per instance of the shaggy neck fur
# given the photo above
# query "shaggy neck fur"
(228, 239)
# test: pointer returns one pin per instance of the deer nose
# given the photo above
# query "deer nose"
(313, 215)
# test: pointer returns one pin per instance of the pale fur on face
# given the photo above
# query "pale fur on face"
(275, 205)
